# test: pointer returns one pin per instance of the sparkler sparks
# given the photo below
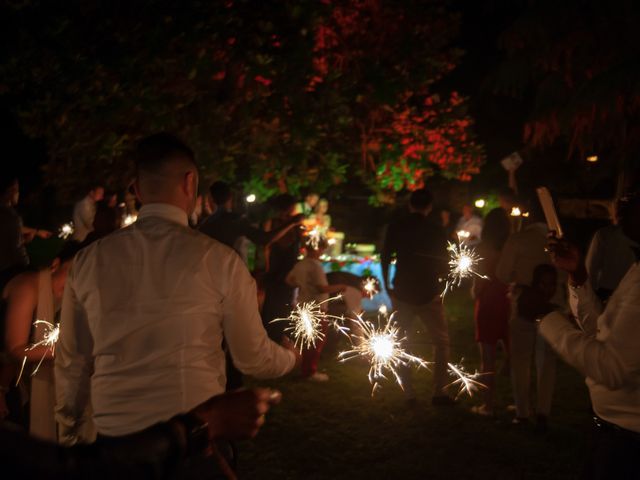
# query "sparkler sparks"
(382, 346)
(370, 286)
(465, 381)
(129, 219)
(463, 260)
(314, 237)
(49, 340)
(66, 230)
(306, 323)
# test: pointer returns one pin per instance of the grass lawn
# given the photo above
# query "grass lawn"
(336, 430)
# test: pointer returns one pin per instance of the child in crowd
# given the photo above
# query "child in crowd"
(311, 280)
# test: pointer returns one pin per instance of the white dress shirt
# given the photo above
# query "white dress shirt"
(143, 318)
(606, 348)
(610, 257)
(522, 253)
(308, 275)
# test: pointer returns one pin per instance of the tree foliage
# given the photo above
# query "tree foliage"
(581, 60)
(277, 95)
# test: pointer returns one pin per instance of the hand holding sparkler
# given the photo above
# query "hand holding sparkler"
(49, 340)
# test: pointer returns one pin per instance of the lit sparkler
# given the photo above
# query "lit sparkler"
(49, 340)
(463, 261)
(66, 230)
(314, 237)
(129, 219)
(370, 287)
(464, 380)
(306, 323)
(382, 346)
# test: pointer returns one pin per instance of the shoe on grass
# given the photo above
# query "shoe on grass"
(482, 410)
(318, 377)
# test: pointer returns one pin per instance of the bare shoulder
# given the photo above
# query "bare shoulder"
(24, 285)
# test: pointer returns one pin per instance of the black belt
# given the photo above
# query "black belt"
(605, 426)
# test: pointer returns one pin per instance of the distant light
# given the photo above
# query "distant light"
(331, 241)
(251, 198)
(480, 203)
(383, 309)
(463, 234)
(515, 212)
(592, 158)
(525, 214)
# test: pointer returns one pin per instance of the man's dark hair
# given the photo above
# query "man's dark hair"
(153, 152)
(69, 250)
(421, 199)
(220, 192)
(542, 270)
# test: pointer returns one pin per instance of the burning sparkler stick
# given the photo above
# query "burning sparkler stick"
(49, 340)
(382, 346)
(66, 230)
(306, 323)
(464, 380)
(314, 237)
(463, 261)
(370, 286)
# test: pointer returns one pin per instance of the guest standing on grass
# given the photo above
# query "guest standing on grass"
(309, 278)
(146, 308)
(491, 312)
(522, 253)
(419, 243)
(281, 257)
(84, 212)
(605, 347)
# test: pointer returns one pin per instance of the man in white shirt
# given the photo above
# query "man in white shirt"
(522, 253)
(606, 349)
(469, 227)
(145, 311)
(610, 255)
(84, 212)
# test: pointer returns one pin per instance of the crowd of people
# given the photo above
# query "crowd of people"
(160, 320)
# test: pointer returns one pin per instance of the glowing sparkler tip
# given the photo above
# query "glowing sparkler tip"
(66, 230)
(370, 287)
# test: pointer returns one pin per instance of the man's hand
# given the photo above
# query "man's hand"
(566, 256)
(237, 415)
(289, 345)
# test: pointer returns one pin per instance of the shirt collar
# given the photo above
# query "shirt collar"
(164, 211)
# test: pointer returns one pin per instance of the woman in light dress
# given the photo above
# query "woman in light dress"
(30, 296)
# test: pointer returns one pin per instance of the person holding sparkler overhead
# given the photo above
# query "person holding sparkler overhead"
(311, 280)
(146, 308)
(420, 246)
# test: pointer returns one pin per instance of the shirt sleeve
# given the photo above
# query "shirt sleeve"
(614, 362)
(252, 351)
(585, 306)
(73, 367)
(256, 235)
(594, 260)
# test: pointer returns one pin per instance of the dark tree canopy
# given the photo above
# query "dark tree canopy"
(275, 95)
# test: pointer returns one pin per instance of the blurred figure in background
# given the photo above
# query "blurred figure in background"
(320, 216)
(34, 296)
(281, 257)
(106, 221)
(469, 227)
(84, 212)
(611, 253)
(492, 307)
(307, 207)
